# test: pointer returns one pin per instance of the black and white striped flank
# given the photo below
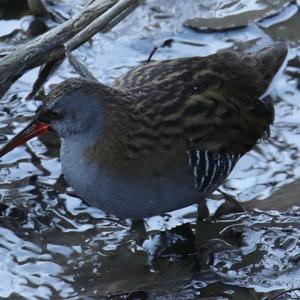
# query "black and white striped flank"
(210, 169)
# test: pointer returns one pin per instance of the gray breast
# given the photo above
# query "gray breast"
(142, 192)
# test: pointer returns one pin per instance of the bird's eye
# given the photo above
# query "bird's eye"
(54, 114)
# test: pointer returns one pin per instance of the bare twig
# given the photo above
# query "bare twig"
(283, 292)
(44, 74)
(154, 49)
(46, 47)
(122, 16)
(6, 50)
(79, 67)
(50, 46)
(100, 23)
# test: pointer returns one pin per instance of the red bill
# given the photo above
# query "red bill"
(35, 128)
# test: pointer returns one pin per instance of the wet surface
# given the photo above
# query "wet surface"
(225, 15)
(53, 246)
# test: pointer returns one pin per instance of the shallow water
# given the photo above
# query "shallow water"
(53, 246)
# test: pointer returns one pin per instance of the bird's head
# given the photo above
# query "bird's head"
(73, 108)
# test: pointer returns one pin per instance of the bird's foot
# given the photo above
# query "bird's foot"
(205, 252)
(172, 245)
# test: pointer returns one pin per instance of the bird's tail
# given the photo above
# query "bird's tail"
(270, 60)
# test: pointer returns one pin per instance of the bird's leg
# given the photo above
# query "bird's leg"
(203, 212)
(208, 231)
(202, 228)
(137, 235)
(138, 230)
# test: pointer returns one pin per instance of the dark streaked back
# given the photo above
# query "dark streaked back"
(213, 101)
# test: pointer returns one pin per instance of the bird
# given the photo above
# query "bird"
(163, 136)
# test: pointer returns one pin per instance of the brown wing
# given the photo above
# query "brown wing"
(213, 101)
